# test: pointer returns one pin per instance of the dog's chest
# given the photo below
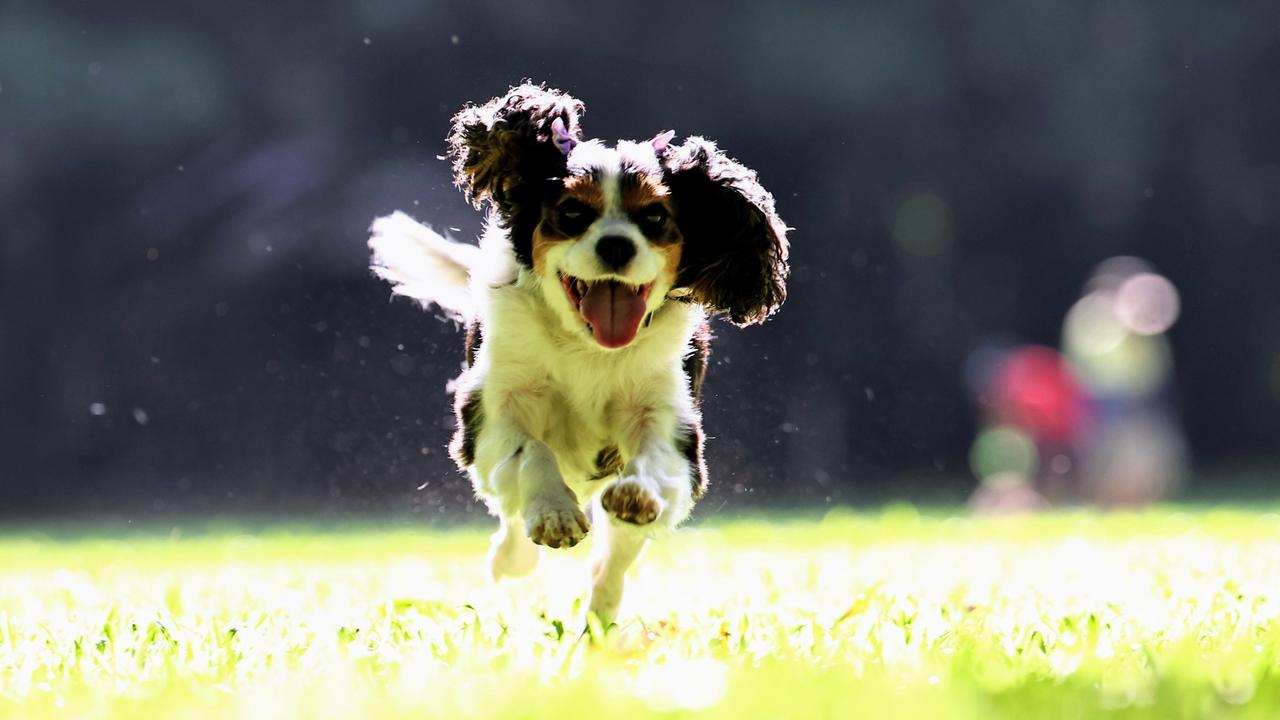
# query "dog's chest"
(592, 413)
(592, 408)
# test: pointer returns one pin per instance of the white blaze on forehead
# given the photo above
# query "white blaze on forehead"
(610, 188)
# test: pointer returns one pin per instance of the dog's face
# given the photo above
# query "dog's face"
(607, 249)
(611, 233)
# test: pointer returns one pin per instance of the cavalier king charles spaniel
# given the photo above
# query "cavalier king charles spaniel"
(586, 307)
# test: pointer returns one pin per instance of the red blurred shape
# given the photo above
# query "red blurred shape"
(1036, 390)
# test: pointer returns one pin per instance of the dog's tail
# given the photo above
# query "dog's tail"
(424, 265)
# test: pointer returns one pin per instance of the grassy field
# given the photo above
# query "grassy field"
(1168, 614)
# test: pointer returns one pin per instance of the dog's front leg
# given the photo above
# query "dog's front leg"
(656, 486)
(519, 478)
(552, 515)
(655, 492)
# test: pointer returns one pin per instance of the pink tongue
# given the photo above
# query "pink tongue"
(614, 311)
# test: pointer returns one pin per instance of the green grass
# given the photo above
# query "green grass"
(1167, 614)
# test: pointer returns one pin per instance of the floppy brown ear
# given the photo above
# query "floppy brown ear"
(512, 142)
(735, 245)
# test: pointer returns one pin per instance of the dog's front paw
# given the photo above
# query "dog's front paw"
(556, 526)
(631, 502)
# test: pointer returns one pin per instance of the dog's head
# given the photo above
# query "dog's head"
(614, 232)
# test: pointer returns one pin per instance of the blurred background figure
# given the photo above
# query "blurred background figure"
(1134, 452)
(1094, 423)
(1033, 418)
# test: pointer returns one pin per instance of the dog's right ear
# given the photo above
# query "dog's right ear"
(513, 142)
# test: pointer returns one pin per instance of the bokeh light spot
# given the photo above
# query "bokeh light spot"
(1092, 327)
(1002, 450)
(1111, 273)
(1147, 303)
(922, 225)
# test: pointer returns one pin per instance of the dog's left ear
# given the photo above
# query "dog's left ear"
(735, 245)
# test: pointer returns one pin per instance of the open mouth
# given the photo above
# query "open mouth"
(612, 309)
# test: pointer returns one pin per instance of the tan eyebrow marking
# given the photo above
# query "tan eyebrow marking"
(585, 189)
(638, 192)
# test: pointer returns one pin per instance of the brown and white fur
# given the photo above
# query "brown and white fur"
(586, 306)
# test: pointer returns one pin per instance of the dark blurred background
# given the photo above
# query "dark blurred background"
(187, 323)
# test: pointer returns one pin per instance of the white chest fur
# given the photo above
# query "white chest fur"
(565, 390)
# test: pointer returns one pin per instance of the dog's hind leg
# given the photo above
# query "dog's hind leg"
(615, 548)
(511, 553)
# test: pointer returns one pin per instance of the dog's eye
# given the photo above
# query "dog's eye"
(651, 218)
(572, 209)
(573, 216)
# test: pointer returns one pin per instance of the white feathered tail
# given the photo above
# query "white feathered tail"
(424, 265)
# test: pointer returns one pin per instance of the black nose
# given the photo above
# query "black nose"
(615, 252)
